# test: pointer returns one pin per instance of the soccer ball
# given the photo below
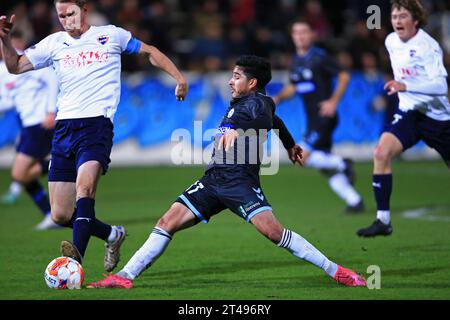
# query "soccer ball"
(64, 273)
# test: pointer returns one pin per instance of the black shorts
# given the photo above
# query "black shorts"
(320, 134)
(220, 189)
(77, 141)
(412, 126)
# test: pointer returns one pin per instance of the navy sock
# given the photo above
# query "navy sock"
(37, 193)
(382, 188)
(82, 225)
(99, 229)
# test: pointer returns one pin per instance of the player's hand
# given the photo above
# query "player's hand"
(181, 90)
(49, 121)
(228, 139)
(296, 155)
(328, 108)
(5, 26)
(392, 87)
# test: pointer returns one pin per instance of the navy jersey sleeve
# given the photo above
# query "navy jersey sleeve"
(330, 65)
(284, 134)
(259, 116)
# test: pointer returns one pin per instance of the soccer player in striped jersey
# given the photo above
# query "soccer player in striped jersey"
(424, 110)
(87, 62)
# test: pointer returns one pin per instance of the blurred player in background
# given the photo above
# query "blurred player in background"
(34, 97)
(232, 184)
(424, 110)
(311, 77)
(87, 61)
(15, 189)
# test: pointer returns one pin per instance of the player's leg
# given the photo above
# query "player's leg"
(63, 203)
(267, 224)
(88, 176)
(26, 170)
(388, 148)
(339, 171)
(177, 218)
(12, 195)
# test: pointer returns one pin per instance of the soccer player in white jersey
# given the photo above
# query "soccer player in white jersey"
(87, 61)
(424, 109)
(33, 95)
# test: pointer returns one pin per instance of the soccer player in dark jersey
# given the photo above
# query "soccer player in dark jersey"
(311, 77)
(234, 184)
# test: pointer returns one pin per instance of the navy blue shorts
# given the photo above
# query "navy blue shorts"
(77, 141)
(35, 142)
(412, 126)
(219, 189)
(320, 134)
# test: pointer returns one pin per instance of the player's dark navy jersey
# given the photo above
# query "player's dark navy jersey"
(250, 113)
(312, 76)
(255, 115)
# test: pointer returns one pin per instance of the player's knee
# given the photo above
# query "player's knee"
(381, 155)
(61, 217)
(166, 224)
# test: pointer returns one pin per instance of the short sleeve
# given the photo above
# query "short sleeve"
(123, 37)
(434, 62)
(40, 55)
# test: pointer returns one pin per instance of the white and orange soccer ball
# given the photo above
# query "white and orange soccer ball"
(64, 273)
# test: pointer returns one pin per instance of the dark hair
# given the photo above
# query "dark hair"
(79, 3)
(414, 7)
(255, 67)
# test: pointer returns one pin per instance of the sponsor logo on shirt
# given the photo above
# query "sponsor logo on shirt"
(224, 129)
(84, 58)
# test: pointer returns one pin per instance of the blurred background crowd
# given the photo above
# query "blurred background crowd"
(207, 35)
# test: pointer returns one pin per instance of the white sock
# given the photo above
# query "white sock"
(384, 216)
(113, 235)
(15, 188)
(342, 187)
(325, 161)
(154, 247)
(302, 249)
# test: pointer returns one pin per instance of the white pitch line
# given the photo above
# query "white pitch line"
(423, 214)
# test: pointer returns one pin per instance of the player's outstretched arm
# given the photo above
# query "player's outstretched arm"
(328, 107)
(14, 63)
(160, 60)
(294, 151)
(285, 93)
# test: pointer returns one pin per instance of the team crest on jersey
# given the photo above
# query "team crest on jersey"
(103, 39)
(230, 114)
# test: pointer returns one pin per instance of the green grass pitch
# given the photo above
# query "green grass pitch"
(228, 259)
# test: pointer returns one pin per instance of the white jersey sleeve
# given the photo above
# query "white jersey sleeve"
(123, 37)
(40, 54)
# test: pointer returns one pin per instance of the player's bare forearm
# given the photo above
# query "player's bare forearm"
(160, 60)
(287, 92)
(14, 63)
(342, 84)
